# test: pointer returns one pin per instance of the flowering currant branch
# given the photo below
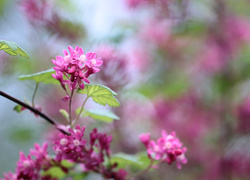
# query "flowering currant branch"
(32, 109)
(84, 156)
(76, 67)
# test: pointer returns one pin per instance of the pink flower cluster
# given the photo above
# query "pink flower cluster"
(167, 148)
(28, 168)
(76, 66)
(89, 156)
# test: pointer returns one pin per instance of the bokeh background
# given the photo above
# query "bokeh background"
(178, 65)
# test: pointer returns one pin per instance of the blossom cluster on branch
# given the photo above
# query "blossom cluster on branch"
(74, 154)
(85, 156)
(167, 148)
(76, 66)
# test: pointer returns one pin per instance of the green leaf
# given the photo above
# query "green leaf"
(100, 115)
(100, 94)
(79, 176)
(55, 172)
(12, 49)
(67, 164)
(41, 77)
(144, 159)
(138, 161)
(124, 160)
(17, 108)
(191, 27)
(64, 113)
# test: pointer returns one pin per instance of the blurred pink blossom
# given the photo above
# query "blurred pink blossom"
(37, 11)
(243, 115)
(43, 13)
(167, 148)
(157, 31)
(154, 4)
(134, 3)
(193, 123)
(220, 48)
(114, 72)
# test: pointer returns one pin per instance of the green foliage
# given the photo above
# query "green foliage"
(169, 89)
(100, 115)
(192, 28)
(241, 8)
(79, 176)
(143, 158)
(55, 172)
(222, 84)
(12, 49)
(3, 4)
(138, 161)
(21, 135)
(17, 108)
(100, 94)
(67, 164)
(64, 113)
(41, 77)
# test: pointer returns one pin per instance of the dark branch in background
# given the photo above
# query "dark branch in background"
(32, 109)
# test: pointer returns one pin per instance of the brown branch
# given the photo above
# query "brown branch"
(33, 110)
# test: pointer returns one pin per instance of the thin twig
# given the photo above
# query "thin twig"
(78, 117)
(32, 109)
(70, 104)
(34, 94)
(143, 171)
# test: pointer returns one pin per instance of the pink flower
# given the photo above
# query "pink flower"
(145, 138)
(74, 148)
(26, 167)
(120, 175)
(76, 67)
(9, 176)
(59, 76)
(41, 155)
(154, 151)
(167, 148)
(92, 60)
(90, 155)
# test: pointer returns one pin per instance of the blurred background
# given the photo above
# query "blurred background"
(178, 65)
